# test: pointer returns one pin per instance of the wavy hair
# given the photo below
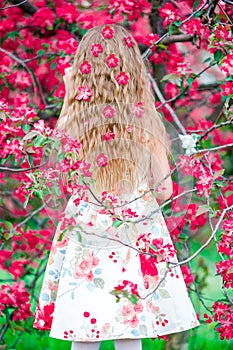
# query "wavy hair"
(139, 141)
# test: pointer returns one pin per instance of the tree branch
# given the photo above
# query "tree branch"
(166, 105)
(26, 6)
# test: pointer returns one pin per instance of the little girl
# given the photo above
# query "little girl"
(108, 279)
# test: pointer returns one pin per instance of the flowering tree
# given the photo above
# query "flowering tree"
(188, 48)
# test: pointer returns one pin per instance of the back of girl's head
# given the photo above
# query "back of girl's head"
(107, 91)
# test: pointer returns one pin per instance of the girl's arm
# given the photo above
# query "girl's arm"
(159, 170)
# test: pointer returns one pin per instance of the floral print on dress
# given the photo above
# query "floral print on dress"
(114, 292)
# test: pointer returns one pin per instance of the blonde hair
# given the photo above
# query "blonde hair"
(133, 151)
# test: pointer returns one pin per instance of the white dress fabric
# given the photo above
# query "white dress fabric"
(99, 287)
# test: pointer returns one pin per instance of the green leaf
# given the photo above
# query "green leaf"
(9, 225)
(164, 293)
(196, 4)
(40, 52)
(202, 209)
(30, 160)
(26, 128)
(190, 82)
(39, 140)
(31, 134)
(26, 201)
(169, 77)
(143, 329)
(218, 55)
(99, 282)
(54, 65)
(208, 59)
(116, 223)
(46, 46)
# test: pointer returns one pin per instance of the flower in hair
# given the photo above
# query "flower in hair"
(108, 111)
(112, 60)
(102, 160)
(138, 109)
(122, 78)
(107, 32)
(128, 41)
(85, 67)
(108, 136)
(96, 49)
(84, 93)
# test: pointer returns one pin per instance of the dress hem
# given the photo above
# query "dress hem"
(133, 337)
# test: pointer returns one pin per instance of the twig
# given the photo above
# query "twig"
(8, 7)
(35, 81)
(213, 148)
(149, 51)
(166, 105)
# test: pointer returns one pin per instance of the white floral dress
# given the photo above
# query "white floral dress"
(96, 288)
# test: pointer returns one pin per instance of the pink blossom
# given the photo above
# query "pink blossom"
(169, 14)
(102, 160)
(227, 89)
(138, 109)
(204, 184)
(68, 11)
(85, 67)
(108, 136)
(96, 49)
(108, 111)
(108, 32)
(122, 78)
(112, 61)
(43, 18)
(84, 94)
(84, 268)
(128, 41)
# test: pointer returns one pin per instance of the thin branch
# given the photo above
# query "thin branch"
(17, 5)
(17, 170)
(26, 7)
(177, 38)
(166, 105)
(35, 81)
(216, 126)
(149, 51)
(213, 148)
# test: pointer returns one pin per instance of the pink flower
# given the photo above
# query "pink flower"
(128, 129)
(128, 41)
(85, 93)
(227, 89)
(84, 268)
(122, 78)
(168, 13)
(44, 316)
(101, 160)
(204, 184)
(138, 109)
(96, 49)
(150, 39)
(108, 111)
(85, 67)
(108, 32)
(112, 60)
(108, 136)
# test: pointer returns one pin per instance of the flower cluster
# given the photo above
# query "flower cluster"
(226, 244)
(126, 289)
(223, 314)
(15, 297)
(169, 14)
(225, 269)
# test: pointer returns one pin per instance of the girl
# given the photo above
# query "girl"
(108, 278)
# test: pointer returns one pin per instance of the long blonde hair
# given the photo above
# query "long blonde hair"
(138, 139)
